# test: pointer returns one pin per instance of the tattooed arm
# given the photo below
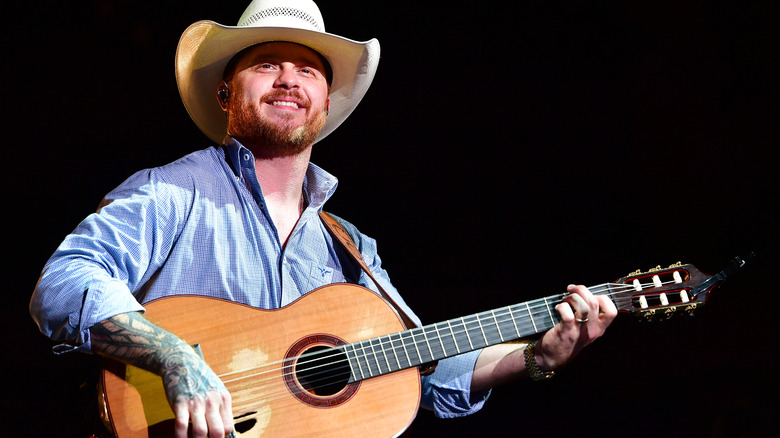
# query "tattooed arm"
(194, 392)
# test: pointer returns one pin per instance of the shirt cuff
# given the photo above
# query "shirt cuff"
(106, 297)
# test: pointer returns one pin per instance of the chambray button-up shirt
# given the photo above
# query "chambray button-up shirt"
(199, 226)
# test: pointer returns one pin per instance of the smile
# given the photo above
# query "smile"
(284, 103)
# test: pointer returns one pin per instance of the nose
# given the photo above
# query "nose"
(286, 78)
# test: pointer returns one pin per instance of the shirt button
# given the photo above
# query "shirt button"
(246, 157)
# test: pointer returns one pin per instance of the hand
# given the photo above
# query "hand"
(196, 396)
(584, 318)
(194, 392)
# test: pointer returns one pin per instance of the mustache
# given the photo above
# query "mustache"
(294, 94)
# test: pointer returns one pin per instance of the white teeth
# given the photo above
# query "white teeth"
(284, 103)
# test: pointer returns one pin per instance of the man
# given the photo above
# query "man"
(240, 221)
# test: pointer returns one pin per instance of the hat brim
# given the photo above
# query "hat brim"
(206, 47)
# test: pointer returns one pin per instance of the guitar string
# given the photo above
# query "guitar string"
(615, 291)
(379, 367)
(393, 356)
(419, 331)
(282, 392)
(414, 333)
(266, 395)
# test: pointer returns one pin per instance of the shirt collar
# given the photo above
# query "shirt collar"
(318, 184)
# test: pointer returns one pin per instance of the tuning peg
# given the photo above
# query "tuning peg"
(688, 310)
(646, 315)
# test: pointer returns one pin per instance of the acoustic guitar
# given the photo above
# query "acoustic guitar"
(338, 362)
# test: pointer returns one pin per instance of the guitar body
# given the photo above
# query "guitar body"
(254, 352)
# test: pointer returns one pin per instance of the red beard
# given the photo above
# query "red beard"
(273, 139)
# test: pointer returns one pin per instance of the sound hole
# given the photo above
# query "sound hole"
(323, 371)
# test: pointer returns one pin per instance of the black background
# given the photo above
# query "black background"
(504, 150)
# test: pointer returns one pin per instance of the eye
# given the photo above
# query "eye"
(264, 66)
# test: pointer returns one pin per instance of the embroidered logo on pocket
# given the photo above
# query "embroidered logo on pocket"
(321, 274)
(324, 271)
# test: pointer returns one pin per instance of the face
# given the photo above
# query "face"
(278, 98)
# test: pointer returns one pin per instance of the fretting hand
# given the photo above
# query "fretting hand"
(584, 318)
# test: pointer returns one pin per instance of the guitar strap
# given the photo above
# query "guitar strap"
(342, 235)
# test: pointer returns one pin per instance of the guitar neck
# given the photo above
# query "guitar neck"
(678, 288)
(419, 346)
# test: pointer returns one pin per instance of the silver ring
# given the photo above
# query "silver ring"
(581, 320)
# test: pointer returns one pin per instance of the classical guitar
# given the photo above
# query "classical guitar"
(338, 362)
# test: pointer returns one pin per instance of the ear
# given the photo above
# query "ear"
(327, 108)
(223, 96)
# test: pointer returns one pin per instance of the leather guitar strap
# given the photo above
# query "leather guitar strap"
(340, 233)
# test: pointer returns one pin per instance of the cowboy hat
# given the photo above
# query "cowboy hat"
(206, 47)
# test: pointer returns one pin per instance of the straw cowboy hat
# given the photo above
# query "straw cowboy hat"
(206, 47)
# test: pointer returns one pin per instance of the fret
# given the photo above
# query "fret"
(427, 344)
(479, 333)
(481, 329)
(454, 339)
(363, 358)
(549, 312)
(530, 315)
(415, 354)
(358, 361)
(381, 347)
(418, 337)
(368, 358)
(514, 322)
(498, 327)
(389, 352)
(435, 346)
(395, 350)
(466, 332)
(462, 332)
(438, 335)
(376, 359)
(406, 352)
(490, 328)
(449, 344)
(506, 324)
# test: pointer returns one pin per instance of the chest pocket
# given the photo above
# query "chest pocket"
(321, 275)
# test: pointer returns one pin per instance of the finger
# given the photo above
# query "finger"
(584, 293)
(227, 412)
(182, 413)
(566, 313)
(580, 306)
(213, 416)
(198, 418)
(607, 309)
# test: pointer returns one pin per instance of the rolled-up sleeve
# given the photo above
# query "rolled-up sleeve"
(90, 276)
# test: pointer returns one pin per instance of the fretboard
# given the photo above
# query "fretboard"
(415, 347)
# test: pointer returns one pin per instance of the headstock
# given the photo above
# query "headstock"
(663, 292)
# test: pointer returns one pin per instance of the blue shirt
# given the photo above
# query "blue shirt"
(199, 226)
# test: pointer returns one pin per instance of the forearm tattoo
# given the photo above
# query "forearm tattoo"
(132, 339)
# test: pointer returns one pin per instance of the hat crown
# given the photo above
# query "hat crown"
(300, 14)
